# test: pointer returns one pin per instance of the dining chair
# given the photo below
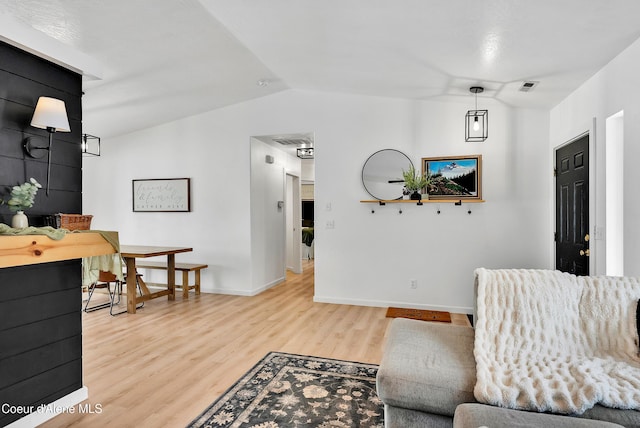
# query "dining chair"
(104, 282)
(105, 279)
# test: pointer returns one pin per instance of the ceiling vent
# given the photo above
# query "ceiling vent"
(292, 141)
(528, 86)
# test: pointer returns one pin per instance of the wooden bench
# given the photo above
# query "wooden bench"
(185, 268)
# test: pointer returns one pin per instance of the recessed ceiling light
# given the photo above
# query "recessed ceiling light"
(263, 82)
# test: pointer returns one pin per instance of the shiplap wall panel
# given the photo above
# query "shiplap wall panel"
(40, 305)
(21, 339)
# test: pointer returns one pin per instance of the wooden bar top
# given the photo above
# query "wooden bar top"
(32, 249)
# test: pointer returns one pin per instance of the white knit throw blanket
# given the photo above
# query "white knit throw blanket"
(551, 341)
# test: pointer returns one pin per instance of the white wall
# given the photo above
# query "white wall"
(268, 236)
(211, 150)
(367, 258)
(611, 90)
(308, 170)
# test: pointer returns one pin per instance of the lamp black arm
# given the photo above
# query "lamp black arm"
(37, 152)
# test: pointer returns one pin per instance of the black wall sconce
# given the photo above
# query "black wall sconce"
(50, 114)
(90, 145)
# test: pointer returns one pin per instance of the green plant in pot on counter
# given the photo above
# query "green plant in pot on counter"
(415, 182)
(22, 197)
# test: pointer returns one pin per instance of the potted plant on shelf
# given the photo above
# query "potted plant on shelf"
(415, 182)
(22, 197)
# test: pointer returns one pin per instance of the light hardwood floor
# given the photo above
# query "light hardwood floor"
(164, 365)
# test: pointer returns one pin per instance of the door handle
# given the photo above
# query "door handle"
(585, 252)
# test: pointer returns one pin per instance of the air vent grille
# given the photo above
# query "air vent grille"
(528, 86)
(292, 141)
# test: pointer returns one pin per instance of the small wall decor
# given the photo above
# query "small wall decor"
(162, 195)
(454, 177)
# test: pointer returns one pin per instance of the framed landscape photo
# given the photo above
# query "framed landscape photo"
(454, 177)
(162, 195)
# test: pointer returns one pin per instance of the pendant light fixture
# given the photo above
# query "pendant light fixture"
(305, 152)
(90, 145)
(476, 122)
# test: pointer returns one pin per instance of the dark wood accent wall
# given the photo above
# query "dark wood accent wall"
(40, 305)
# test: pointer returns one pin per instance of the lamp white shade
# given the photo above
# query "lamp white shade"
(51, 114)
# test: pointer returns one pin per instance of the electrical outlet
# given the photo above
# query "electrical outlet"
(413, 284)
(330, 224)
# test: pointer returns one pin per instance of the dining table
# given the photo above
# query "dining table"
(132, 252)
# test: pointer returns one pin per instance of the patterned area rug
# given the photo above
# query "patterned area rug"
(287, 390)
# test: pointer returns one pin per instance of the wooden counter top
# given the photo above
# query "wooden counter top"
(32, 249)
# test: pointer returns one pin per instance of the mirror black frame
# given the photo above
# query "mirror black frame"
(392, 180)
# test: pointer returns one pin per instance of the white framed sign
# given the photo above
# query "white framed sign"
(162, 195)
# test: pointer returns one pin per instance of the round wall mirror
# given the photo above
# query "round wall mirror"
(382, 174)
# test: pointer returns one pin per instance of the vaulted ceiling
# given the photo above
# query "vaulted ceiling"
(162, 60)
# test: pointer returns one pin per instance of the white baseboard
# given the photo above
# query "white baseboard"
(342, 301)
(247, 293)
(388, 304)
(269, 285)
(43, 413)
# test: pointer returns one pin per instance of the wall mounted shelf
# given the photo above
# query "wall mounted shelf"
(422, 202)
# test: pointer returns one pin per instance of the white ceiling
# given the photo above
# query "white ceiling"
(166, 59)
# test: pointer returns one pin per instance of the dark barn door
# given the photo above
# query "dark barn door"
(572, 207)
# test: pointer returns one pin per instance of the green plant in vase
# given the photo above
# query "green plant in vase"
(414, 182)
(22, 197)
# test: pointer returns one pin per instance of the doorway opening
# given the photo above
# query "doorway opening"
(292, 220)
(308, 212)
(294, 153)
(614, 173)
